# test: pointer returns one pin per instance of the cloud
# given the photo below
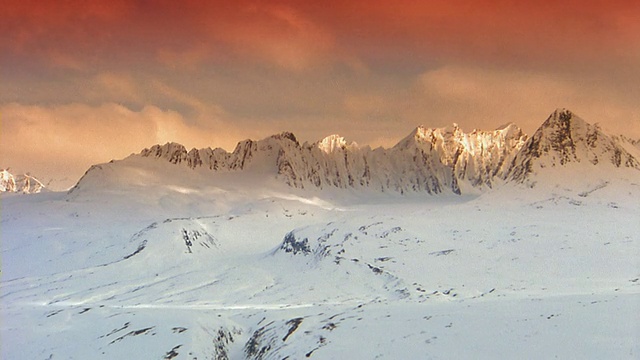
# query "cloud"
(190, 35)
(206, 114)
(304, 35)
(61, 34)
(278, 34)
(63, 141)
(185, 59)
(117, 86)
(489, 31)
(80, 76)
(484, 98)
(472, 96)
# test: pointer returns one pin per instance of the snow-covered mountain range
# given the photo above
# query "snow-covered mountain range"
(448, 245)
(429, 160)
(24, 183)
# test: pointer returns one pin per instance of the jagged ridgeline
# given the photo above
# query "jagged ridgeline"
(431, 160)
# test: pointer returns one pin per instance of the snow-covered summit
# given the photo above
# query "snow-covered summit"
(334, 142)
(432, 160)
(428, 160)
(424, 137)
(479, 157)
(566, 140)
(24, 183)
(173, 152)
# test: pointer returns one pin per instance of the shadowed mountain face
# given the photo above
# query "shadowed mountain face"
(566, 139)
(428, 160)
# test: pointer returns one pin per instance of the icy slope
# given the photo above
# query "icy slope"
(273, 277)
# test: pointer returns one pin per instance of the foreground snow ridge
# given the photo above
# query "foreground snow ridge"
(288, 251)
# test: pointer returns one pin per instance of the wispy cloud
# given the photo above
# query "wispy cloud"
(78, 77)
(63, 141)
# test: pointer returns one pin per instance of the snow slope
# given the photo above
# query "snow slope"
(276, 277)
(149, 259)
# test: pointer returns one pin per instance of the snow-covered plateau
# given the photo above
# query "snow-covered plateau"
(447, 246)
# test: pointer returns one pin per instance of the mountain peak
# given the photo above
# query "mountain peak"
(334, 142)
(563, 118)
(24, 183)
(422, 132)
(432, 160)
(174, 152)
(562, 113)
(508, 127)
(424, 135)
(565, 138)
(285, 135)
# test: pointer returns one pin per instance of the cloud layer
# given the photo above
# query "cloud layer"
(79, 77)
(58, 142)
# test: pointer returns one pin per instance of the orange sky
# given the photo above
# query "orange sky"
(82, 82)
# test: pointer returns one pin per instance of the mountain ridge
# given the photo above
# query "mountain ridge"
(430, 160)
(563, 139)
